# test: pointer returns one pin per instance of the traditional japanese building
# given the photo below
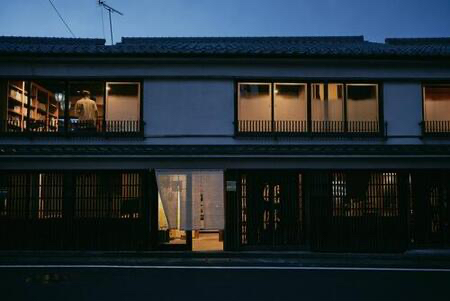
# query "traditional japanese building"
(249, 143)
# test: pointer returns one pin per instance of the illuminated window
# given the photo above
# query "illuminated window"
(267, 107)
(255, 107)
(362, 107)
(70, 107)
(327, 107)
(34, 106)
(122, 106)
(436, 108)
(288, 108)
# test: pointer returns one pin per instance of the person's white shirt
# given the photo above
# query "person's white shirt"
(86, 109)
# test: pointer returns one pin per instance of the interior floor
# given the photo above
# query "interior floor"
(208, 241)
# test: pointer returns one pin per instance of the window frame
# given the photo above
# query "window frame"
(298, 84)
(309, 133)
(423, 123)
(345, 97)
(67, 80)
(271, 96)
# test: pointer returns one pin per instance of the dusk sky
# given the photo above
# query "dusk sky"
(373, 19)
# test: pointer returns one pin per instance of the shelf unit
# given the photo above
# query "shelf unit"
(17, 98)
(42, 106)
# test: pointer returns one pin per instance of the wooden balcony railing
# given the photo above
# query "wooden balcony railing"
(105, 126)
(363, 127)
(437, 128)
(327, 126)
(290, 126)
(14, 127)
(314, 128)
(255, 126)
(11, 126)
(44, 126)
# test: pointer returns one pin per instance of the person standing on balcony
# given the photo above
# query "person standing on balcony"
(86, 110)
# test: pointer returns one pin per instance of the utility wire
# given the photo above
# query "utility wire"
(62, 19)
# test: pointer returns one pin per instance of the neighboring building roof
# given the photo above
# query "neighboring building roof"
(50, 41)
(298, 47)
(419, 41)
(46, 46)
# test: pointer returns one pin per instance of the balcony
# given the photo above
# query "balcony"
(261, 128)
(75, 128)
(436, 128)
(269, 127)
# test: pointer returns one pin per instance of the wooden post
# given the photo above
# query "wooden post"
(151, 207)
(232, 219)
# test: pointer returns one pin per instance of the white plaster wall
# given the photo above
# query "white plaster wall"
(188, 107)
(403, 108)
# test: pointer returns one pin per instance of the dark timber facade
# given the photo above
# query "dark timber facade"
(331, 144)
(363, 211)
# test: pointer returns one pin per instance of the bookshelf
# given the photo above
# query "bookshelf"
(17, 96)
(41, 109)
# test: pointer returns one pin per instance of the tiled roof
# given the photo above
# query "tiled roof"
(50, 41)
(256, 40)
(7, 151)
(298, 47)
(252, 46)
(45, 46)
(419, 41)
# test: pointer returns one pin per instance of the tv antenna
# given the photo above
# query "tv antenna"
(110, 11)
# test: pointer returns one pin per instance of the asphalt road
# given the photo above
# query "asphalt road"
(95, 283)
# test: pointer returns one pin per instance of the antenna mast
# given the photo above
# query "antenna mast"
(110, 11)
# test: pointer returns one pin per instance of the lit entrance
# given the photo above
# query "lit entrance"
(190, 210)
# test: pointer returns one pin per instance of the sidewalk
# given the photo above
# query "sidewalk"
(410, 259)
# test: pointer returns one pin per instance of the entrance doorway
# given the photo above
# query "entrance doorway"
(265, 210)
(190, 210)
(269, 205)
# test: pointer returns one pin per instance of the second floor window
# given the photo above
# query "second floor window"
(327, 107)
(436, 109)
(362, 107)
(70, 107)
(263, 107)
(308, 107)
(255, 106)
(290, 108)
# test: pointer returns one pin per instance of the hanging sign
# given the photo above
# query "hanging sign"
(231, 185)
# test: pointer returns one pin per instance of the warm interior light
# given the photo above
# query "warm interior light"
(59, 97)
